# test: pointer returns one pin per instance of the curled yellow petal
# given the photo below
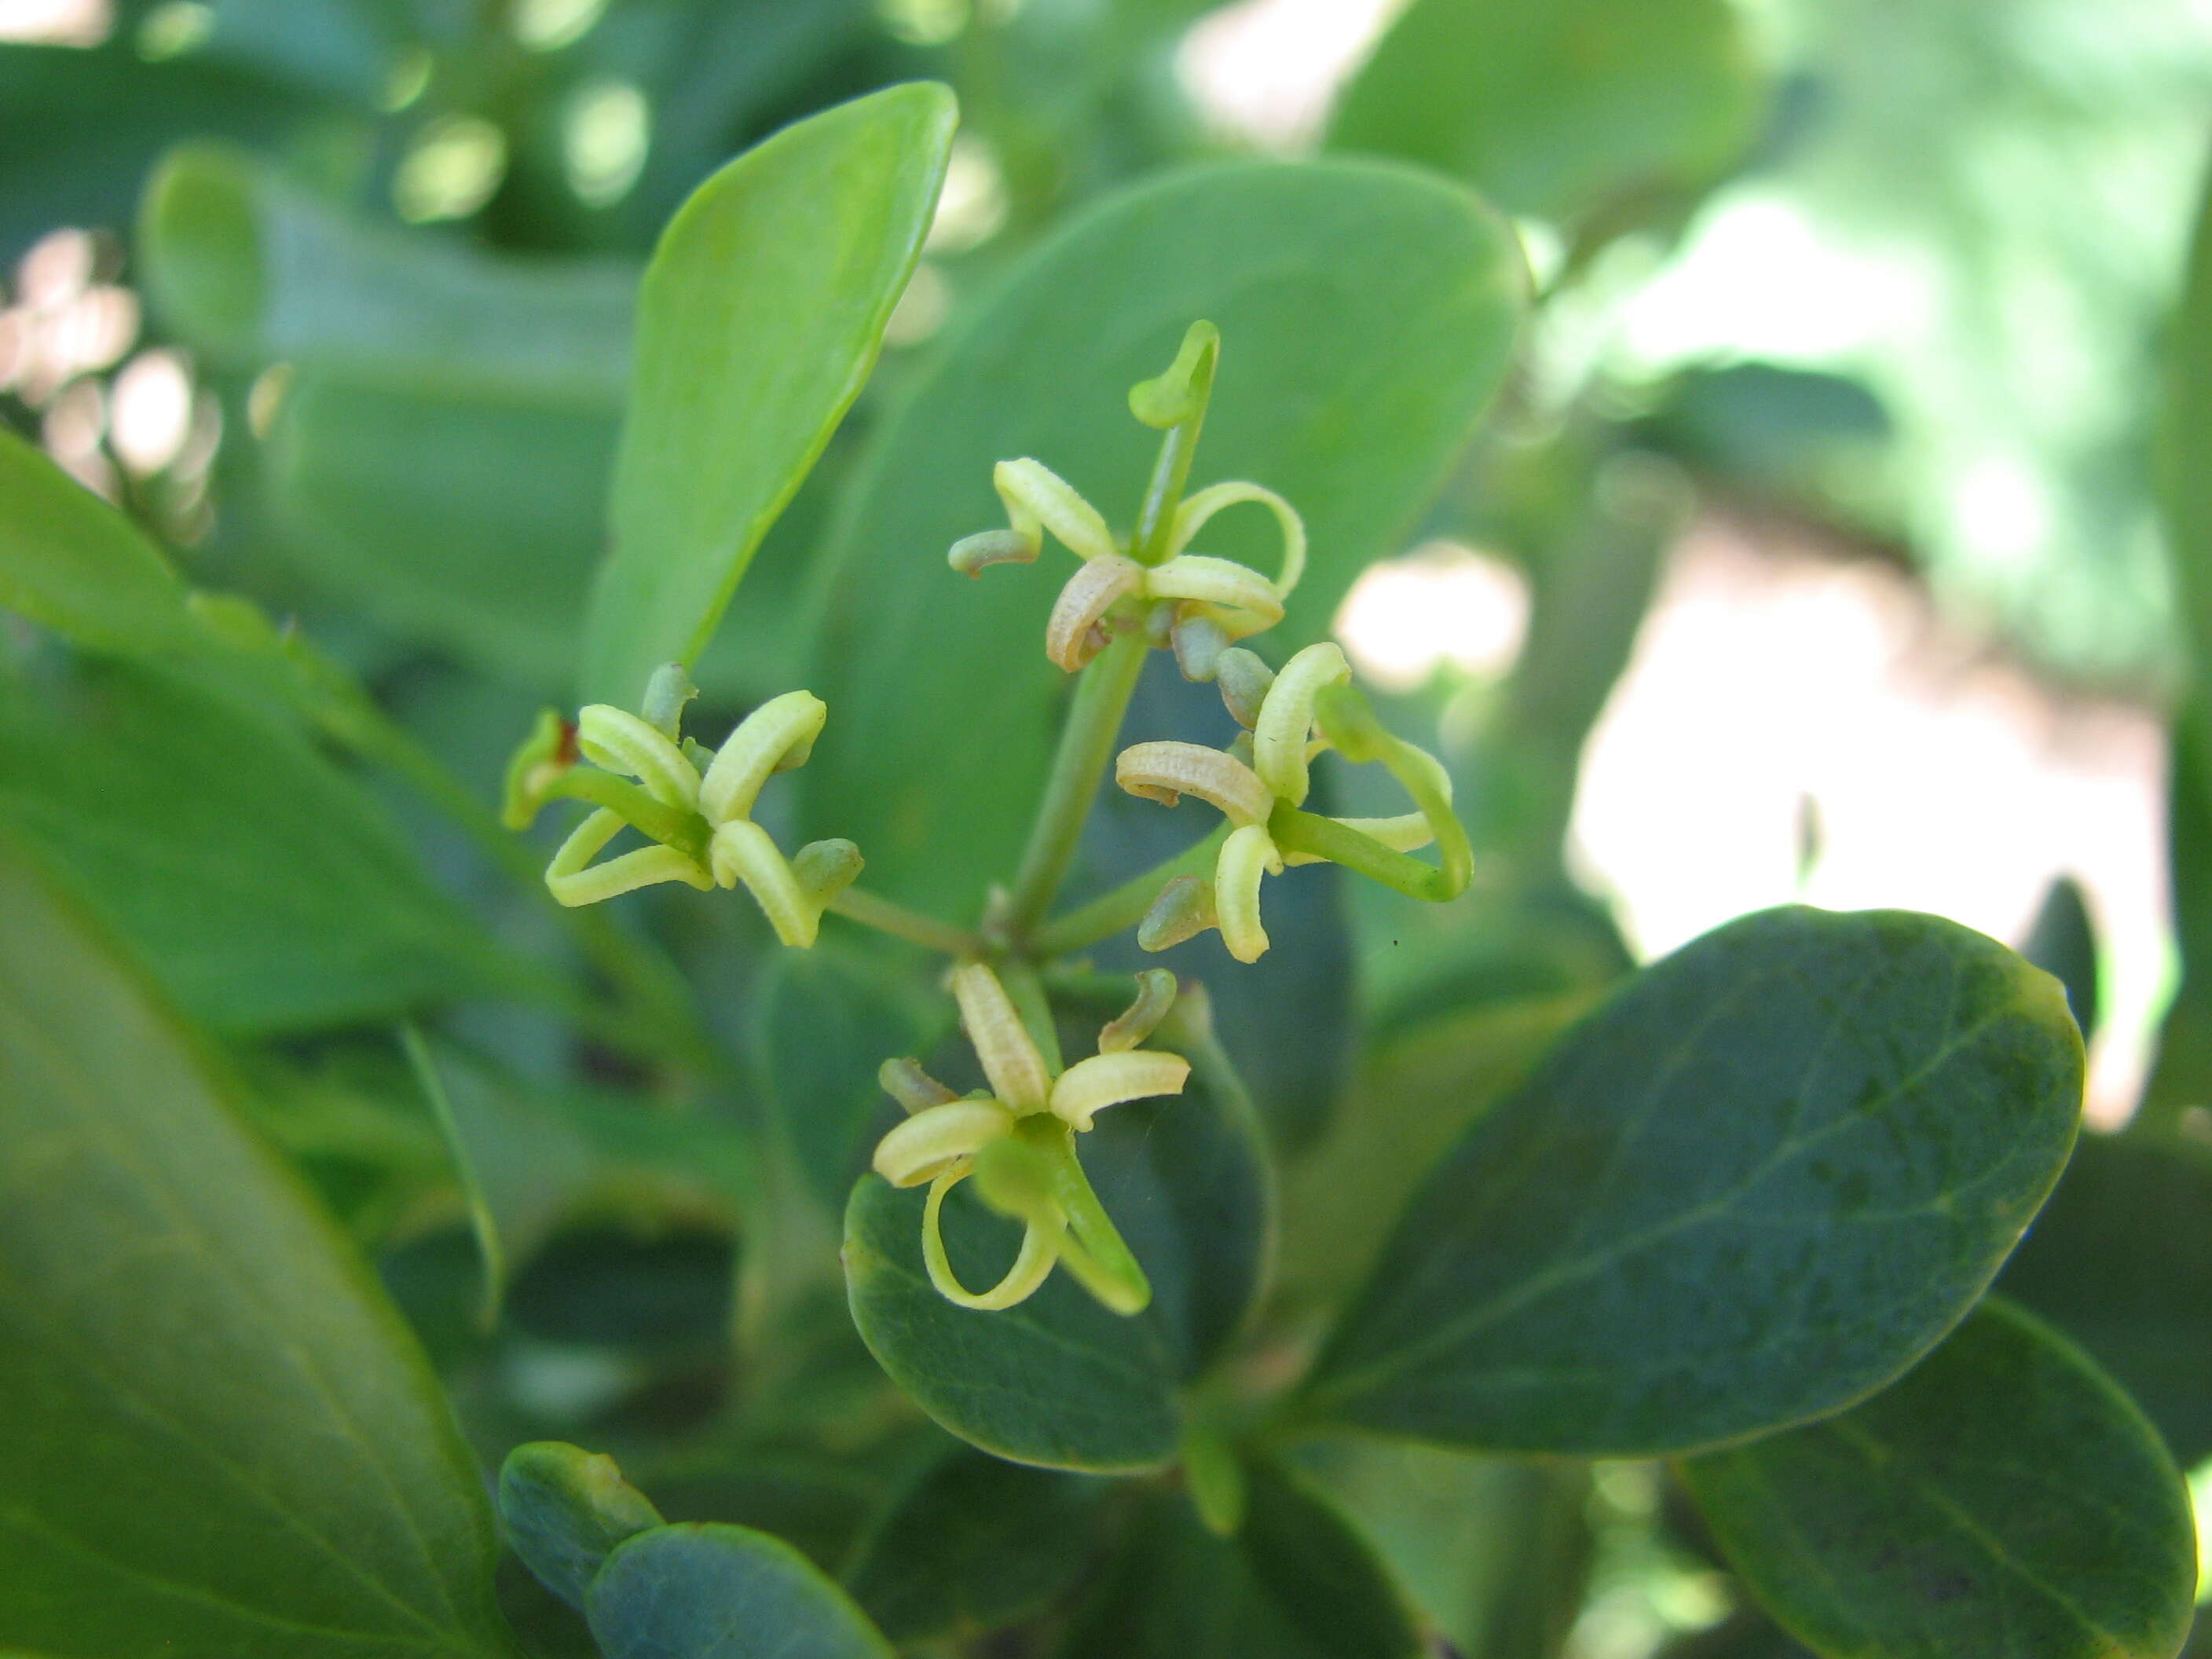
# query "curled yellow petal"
(904, 1081)
(573, 879)
(927, 1144)
(1037, 498)
(1287, 716)
(765, 741)
(1191, 516)
(1032, 1266)
(744, 851)
(1167, 771)
(1089, 1086)
(1157, 991)
(1245, 856)
(620, 741)
(1408, 832)
(1222, 582)
(1002, 1042)
(1074, 634)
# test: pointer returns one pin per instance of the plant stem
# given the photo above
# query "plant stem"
(1294, 831)
(1124, 905)
(1171, 471)
(885, 916)
(1086, 743)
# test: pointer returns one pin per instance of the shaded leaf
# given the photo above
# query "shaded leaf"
(973, 1544)
(238, 1451)
(564, 1510)
(712, 1591)
(2005, 1498)
(1756, 1185)
(1295, 1583)
(760, 316)
(1356, 423)
(71, 562)
(2062, 942)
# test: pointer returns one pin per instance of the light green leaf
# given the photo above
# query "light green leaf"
(760, 315)
(265, 888)
(227, 1445)
(1764, 1178)
(1355, 422)
(252, 270)
(1559, 109)
(2121, 1261)
(1057, 1380)
(715, 1591)
(2005, 1499)
(1295, 1583)
(467, 519)
(973, 1544)
(71, 562)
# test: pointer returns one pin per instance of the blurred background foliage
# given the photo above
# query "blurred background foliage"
(334, 299)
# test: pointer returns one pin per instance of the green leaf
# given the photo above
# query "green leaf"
(823, 1022)
(252, 270)
(2005, 1499)
(565, 1510)
(974, 1543)
(1295, 1583)
(2062, 942)
(466, 518)
(715, 1591)
(227, 1445)
(760, 315)
(265, 888)
(1764, 1178)
(1057, 1380)
(2121, 1261)
(1355, 422)
(71, 562)
(1560, 109)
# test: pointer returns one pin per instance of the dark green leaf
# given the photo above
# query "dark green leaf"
(1354, 423)
(565, 1510)
(1759, 1182)
(2121, 1261)
(252, 270)
(974, 1544)
(2182, 1078)
(465, 518)
(712, 1591)
(1058, 1381)
(1295, 1583)
(1561, 108)
(265, 888)
(227, 1445)
(760, 315)
(2062, 942)
(2005, 1499)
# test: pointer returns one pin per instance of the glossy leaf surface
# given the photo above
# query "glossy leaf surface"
(1559, 108)
(708, 1590)
(1756, 1185)
(1295, 1583)
(238, 1451)
(760, 316)
(1057, 1381)
(2004, 1499)
(1354, 423)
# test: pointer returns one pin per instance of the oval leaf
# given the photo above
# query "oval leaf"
(71, 562)
(708, 1590)
(1355, 422)
(1559, 109)
(1295, 1583)
(227, 1444)
(1761, 1181)
(2006, 1498)
(1057, 1381)
(760, 315)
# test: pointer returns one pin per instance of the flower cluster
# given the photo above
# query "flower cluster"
(1018, 1138)
(693, 804)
